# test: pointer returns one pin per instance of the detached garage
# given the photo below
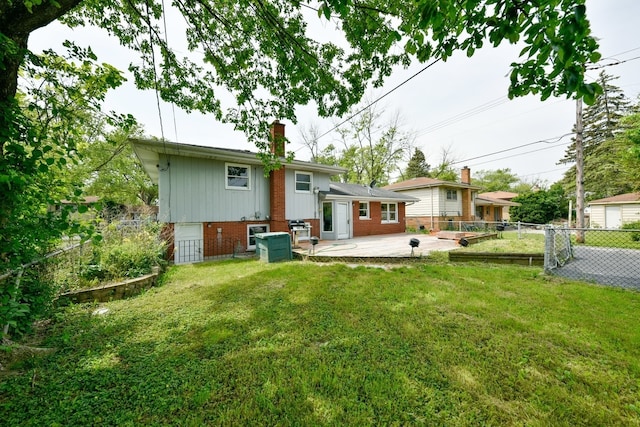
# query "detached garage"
(612, 212)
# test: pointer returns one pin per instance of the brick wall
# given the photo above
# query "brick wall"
(373, 225)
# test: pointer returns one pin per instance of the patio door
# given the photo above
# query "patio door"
(342, 219)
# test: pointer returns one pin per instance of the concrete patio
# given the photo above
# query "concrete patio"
(380, 246)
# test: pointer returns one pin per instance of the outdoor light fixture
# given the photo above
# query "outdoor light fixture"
(414, 243)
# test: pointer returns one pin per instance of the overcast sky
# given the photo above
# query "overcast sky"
(459, 105)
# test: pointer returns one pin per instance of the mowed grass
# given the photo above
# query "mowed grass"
(248, 343)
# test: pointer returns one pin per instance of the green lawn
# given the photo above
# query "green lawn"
(242, 342)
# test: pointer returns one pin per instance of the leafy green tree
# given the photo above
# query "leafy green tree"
(540, 207)
(495, 180)
(109, 169)
(263, 53)
(46, 123)
(372, 149)
(417, 166)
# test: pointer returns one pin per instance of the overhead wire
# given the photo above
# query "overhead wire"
(552, 140)
(375, 101)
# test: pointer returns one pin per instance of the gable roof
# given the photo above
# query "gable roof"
(424, 182)
(149, 151)
(491, 201)
(341, 190)
(620, 198)
(505, 195)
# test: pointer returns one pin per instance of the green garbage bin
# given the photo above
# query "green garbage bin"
(273, 247)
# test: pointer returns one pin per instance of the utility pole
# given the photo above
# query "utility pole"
(579, 174)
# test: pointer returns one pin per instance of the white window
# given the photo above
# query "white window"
(252, 230)
(452, 194)
(238, 177)
(304, 181)
(389, 212)
(364, 210)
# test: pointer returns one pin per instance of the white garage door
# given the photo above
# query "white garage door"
(188, 243)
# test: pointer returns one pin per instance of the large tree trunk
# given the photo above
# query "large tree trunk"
(16, 23)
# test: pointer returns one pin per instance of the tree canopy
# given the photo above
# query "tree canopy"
(265, 55)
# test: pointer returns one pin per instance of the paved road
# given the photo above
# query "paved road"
(606, 266)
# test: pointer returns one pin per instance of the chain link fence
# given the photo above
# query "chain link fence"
(603, 256)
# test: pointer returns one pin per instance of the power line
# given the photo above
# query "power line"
(543, 141)
(376, 100)
(511, 156)
(464, 115)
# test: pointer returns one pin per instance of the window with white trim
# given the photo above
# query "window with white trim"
(452, 194)
(238, 177)
(364, 210)
(252, 230)
(304, 182)
(389, 212)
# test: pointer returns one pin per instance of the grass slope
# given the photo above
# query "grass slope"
(242, 342)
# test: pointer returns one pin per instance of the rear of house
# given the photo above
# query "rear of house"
(215, 200)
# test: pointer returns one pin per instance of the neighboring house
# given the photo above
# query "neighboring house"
(494, 205)
(215, 200)
(353, 210)
(613, 212)
(440, 202)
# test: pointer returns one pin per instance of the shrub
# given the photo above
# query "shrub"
(635, 235)
(127, 251)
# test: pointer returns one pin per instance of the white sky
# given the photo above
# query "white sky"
(459, 105)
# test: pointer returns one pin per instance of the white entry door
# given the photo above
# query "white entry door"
(188, 243)
(612, 217)
(342, 220)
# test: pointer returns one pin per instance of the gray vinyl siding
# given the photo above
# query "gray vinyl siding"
(193, 190)
(303, 205)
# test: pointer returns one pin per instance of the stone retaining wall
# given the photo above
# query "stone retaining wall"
(110, 292)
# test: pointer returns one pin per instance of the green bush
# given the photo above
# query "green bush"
(635, 235)
(125, 252)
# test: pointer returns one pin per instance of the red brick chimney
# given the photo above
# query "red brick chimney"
(465, 175)
(277, 138)
(277, 182)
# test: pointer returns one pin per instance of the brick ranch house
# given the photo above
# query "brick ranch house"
(215, 200)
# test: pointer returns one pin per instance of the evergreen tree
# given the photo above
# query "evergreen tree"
(600, 120)
(417, 166)
(604, 174)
